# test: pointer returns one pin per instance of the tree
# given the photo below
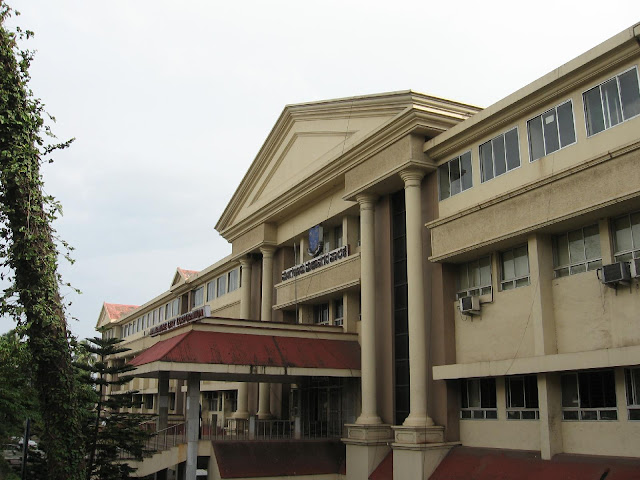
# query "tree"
(29, 255)
(109, 430)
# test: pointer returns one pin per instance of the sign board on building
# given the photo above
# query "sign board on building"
(326, 259)
(192, 316)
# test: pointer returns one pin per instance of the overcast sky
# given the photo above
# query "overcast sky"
(170, 102)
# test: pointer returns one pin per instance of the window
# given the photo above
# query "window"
(214, 401)
(478, 398)
(222, 285)
(338, 312)
(577, 251)
(474, 278)
(148, 401)
(632, 383)
(321, 314)
(326, 242)
(155, 316)
(612, 102)
(455, 176)
(551, 131)
(589, 396)
(626, 237)
(197, 297)
(500, 155)
(515, 268)
(522, 397)
(176, 307)
(161, 314)
(172, 400)
(233, 280)
(337, 235)
(211, 290)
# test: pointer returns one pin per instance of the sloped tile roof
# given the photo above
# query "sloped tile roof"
(116, 310)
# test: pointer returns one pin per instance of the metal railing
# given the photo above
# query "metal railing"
(168, 437)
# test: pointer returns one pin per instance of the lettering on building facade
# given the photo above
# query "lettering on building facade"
(322, 260)
(192, 316)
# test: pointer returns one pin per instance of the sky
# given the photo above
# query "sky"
(169, 103)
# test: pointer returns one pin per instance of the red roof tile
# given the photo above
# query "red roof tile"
(463, 463)
(187, 273)
(279, 459)
(245, 349)
(116, 310)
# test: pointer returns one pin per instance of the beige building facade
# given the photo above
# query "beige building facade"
(484, 263)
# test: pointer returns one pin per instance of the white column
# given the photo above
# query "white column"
(369, 415)
(162, 421)
(245, 312)
(193, 424)
(264, 409)
(418, 367)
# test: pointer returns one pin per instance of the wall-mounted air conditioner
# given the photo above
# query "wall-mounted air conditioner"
(469, 305)
(615, 273)
(635, 268)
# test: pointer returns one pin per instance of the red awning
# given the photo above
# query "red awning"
(256, 350)
(464, 463)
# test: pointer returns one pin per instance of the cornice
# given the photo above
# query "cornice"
(557, 83)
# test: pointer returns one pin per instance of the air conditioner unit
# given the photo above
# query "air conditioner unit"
(615, 273)
(469, 305)
(635, 268)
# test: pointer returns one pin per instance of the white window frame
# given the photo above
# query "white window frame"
(447, 164)
(516, 282)
(632, 389)
(627, 254)
(338, 321)
(474, 290)
(599, 86)
(194, 295)
(581, 412)
(237, 282)
(321, 314)
(573, 268)
(493, 157)
(541, 116)
(521, 413)
(478, 412)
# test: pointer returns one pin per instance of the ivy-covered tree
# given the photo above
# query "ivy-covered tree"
(110, 431)
(29, 256)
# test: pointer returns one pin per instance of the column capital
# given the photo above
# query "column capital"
(245, 261)
(412, 176)
(366, 200)
(267, 250)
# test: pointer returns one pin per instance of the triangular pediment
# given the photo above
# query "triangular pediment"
(182, 275)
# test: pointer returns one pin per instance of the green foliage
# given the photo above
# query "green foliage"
(109, 430)
(28, 256)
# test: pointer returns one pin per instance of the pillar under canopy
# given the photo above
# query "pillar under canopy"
(264, 408)
(162, 421)
(369, 414)
(242, 410)
(418, 367)
(193, 424)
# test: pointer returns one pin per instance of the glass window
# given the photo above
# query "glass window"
(455, 176)
(474, 278)
(176, 307)
(211, 290)
(522, 397)
(551, 131)
(577, 251)
(478, 398)
(626, 237)
(338, 312)
(233, 280)
(222, 285)
(500, 155)
(326, 241)
(632, 385)
(321, 314)
(515, 268)
(589, 395)
(612, 102)
(337, 234)
(197, 297)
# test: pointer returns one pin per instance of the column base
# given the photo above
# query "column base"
(380, 434)
(240, 415)
(264, 416)
(417, 435)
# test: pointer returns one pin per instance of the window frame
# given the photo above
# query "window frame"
(475, 290)
(521, 413)
(493, 160)
(321, 314)
(632, 391)
(555, 109)
(198, 291)
(571, 268)
(448, 165)
(236, 283)
(478, 412)
(632, 253)
(514, 281)
(338, 320)
(599, 86)
(579, 411)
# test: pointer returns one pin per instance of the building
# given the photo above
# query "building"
(435, 284)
